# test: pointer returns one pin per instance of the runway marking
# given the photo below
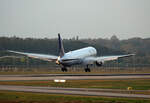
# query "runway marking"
(72, 91)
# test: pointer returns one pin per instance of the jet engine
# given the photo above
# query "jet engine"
(99, 63)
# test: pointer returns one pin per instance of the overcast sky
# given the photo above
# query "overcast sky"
(85, 18)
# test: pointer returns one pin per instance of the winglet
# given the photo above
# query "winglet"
(61, 48)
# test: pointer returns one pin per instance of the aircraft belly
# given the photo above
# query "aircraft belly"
(72, 62)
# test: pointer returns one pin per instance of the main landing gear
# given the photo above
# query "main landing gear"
(87, 69)
(64, 69)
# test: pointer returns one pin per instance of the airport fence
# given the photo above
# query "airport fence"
(94, 68)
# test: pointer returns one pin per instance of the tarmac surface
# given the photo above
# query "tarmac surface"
(72, 76)
(72, 91)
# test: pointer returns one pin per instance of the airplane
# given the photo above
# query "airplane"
(84, 56)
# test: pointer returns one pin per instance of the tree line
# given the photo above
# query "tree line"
(112, 46)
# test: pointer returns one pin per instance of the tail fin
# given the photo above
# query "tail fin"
(61, 48)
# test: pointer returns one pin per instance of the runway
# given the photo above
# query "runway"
(70, 91)
(72, 76)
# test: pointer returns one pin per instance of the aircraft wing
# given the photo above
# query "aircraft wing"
(37, 56)
(10, 57)
(110, 58)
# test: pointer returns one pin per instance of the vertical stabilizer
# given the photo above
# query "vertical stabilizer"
(61, 48)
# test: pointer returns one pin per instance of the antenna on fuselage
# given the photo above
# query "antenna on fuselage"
(61, 48)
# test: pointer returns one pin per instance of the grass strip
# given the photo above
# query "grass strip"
(21, 97)
(136, 84)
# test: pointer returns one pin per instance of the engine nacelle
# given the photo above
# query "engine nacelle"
(98, 63)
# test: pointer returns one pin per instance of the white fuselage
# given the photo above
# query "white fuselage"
(76, 56)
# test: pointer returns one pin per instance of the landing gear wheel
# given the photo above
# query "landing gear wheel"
(64, 69)
(87, 70)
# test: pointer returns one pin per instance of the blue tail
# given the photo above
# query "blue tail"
(61, 48)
